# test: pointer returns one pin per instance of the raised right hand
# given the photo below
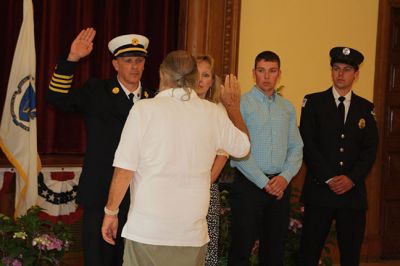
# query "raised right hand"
(82, 45)
(230, 92)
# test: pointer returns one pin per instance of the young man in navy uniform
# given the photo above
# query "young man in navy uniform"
(340, 138)
(105, 105)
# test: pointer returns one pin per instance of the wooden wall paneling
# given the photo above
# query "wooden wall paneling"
(211, 27)
(231, 42)
(371, 249)
(376, 224)
(216, 35)
(193, 18)
(391, 143)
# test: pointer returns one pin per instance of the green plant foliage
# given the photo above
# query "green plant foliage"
(29, 240)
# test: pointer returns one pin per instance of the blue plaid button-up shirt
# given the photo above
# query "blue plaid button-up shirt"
(276, 144)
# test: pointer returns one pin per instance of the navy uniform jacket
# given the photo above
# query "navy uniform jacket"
(105, 107)
(332, 149)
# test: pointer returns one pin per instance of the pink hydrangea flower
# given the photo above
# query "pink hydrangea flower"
(8, 261)
(47, 242)
(295, 225)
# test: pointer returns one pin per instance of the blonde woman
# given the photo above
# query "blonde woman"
(209, 88)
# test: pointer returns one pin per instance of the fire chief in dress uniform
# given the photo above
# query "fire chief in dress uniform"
(105, 105)
(340, 141)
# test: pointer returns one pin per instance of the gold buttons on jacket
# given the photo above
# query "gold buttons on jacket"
(342, 136)
(341, 150)
(361, 123)
(341, 163)
(115, 90)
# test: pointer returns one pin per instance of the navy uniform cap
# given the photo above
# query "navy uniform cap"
(129, 45)
(346, 55)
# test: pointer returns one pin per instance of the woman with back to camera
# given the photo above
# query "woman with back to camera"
(209, 88)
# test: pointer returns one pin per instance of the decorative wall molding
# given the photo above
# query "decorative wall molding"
(211, 27)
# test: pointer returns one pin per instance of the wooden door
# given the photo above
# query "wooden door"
(391, 144)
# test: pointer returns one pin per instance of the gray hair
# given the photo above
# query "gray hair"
(179, 69)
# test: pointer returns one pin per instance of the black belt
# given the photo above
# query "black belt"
(271, 175)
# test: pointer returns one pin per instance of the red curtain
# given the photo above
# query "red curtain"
(56, 25)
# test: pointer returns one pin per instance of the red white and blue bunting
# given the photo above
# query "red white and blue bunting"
(57, 189)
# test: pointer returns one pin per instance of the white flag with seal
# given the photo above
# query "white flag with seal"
(18, 137)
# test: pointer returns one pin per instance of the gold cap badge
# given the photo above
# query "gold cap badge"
(135, 41)
(115, 90)
(361, 123)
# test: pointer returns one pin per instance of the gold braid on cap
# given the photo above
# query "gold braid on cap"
(131, 49)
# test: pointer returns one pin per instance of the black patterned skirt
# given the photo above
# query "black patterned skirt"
(213, 226)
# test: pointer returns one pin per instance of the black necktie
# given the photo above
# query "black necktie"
(131, 95)
(341, 108)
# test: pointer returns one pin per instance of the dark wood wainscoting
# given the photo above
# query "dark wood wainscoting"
(387, 103)
(211, 27)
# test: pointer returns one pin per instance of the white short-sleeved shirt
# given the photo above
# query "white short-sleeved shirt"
(171, 144)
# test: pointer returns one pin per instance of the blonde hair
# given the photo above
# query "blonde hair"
(214, 92)
(179, 70)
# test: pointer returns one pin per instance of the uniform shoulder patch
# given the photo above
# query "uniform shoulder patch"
(373, 114)
(304, 102)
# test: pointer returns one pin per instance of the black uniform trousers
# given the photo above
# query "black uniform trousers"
(350, 228)
(257, 215)
(96, 251)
